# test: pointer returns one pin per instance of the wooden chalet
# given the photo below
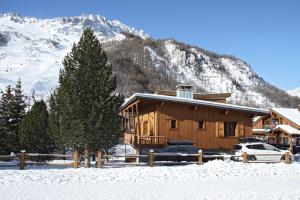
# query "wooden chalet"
(150, 120)
(281, 127)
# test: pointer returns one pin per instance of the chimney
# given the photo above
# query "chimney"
(184, 91)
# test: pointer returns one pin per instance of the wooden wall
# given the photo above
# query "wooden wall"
(209, 138)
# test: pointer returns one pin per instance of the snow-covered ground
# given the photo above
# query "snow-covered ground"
(213, 180)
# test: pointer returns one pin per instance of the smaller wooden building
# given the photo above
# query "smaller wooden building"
(150, 120)
(281, 127)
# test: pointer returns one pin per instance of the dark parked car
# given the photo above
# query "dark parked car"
(177, 153)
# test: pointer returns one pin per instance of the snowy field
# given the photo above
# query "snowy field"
(213, 180)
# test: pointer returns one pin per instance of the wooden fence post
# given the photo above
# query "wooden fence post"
(22, 160)
(99, 162)
(200, 157)
(75, 159)
(245, 157)
(151, 158)
(287, 159)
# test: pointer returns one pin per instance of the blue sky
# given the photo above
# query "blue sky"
(264, 33)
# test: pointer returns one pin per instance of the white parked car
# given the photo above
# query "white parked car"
(259, 151)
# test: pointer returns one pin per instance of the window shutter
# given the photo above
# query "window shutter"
(220, 129)
(242, 129)
(239, 130)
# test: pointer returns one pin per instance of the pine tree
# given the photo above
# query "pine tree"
(54, 122)
(18, 107)
(7, 136)
(88, 106)
(34, 136)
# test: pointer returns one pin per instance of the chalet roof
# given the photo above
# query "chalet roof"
(292, 114)
(165, 98)
(288, 129)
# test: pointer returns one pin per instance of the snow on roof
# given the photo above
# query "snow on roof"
(288, 129)
(194, 102)
(260, 130)
(292, 114)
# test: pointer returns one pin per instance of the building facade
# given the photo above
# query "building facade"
(149, 120)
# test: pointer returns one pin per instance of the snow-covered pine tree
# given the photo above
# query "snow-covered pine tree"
(89, 110)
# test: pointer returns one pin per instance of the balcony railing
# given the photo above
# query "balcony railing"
(150, 141)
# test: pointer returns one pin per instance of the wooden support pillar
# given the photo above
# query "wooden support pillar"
(132, 115)
(128, 122)
(123, 120)
(291, 144)
(245, 157)
(151, 158)
(75, 159)
(200, 157)
(138, 119)
(287, 158)
(22, 159)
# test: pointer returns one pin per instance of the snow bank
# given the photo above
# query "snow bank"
(215, 179)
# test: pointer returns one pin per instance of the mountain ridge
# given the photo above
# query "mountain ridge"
(33, 49)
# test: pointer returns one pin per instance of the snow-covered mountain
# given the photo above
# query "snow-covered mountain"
(32, 49)
(294, 92)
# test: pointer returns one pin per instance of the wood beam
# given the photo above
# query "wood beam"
(132, 115)
(138, 119)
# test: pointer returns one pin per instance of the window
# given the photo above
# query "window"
(285, 141)
(229, 128)
(256, 146)
(269, 147)
(145, 127)
(297, 142)
(271, 140)
(201, 125)
(173, 124)
(275, 121)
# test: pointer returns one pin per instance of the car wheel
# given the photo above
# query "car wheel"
(252, 158)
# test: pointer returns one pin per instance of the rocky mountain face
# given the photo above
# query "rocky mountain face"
(32, 49)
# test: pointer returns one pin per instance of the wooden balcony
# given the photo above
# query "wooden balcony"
(145, 141)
